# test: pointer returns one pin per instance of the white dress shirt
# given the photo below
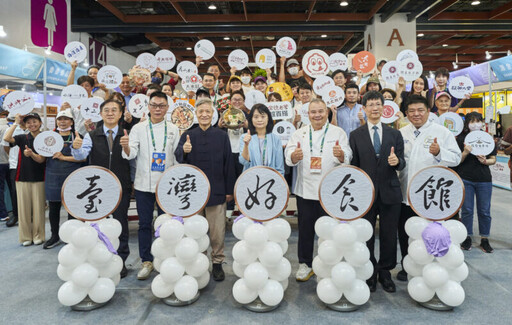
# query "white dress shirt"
(372, 131)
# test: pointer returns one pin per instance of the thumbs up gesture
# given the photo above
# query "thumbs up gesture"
(27, 152)
(125, 140)
(434, 148)
(77, 143)
(187, 146)
(360, 114)
(297, 154)
(392, 158)
(338, 152)
(247, 137)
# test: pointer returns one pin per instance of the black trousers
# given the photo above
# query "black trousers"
(239, 168)
(388, 224)
(11, 182)
(309, 211)
(54, 216)
(121, 215)
(405, 213)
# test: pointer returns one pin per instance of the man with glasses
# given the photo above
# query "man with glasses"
(153, 143)
(379, 151)
(103, 148)
(425, 144)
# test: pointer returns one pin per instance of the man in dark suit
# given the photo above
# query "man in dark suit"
(379, 151)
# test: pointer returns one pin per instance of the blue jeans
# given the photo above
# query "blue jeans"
(145, 207)
(483, 192)
(4, 174)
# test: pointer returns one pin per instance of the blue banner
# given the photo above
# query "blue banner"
(479, 74)
(502, 68)
(57, 72)
(18, 63)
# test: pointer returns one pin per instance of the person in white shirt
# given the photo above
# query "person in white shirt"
(425, 144)
(314, 149)
(153, 143)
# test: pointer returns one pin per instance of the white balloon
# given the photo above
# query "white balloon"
(198, 266)
(203, 280)
(358, 293)
(244, 254)
(255, 276)
(414, 227)
(243, 294)
(85, 275)
(110, 227)
(70, 294)
(458, 232)
(240, 226)
(115, 243)
(64, 273)
(196, 226)
(363, 228)
(256, 235)
(171, 270)
(102, 291)
(161, 249)
(357, 254)
(238, 269)
(278, 230)
(454, 258)
(459, 274)
(284, 246)
(411, 267)
(112, 268)
(419, 290)
(328, 292)
(203, 243)
(328, 252)
(451, 294)
(116, 278)
(157, 262)
(186, 288)
(67, 229)
(321, 269)
(271, 254)
(84, 238)
(343, 275)
(272, 293)
(418, 252)
(324, 226)
(70, 256)
(364, 272)
(172, 231)
(99, 254)
(435, 275)
(186, 250)
(282, 271)
(161, 219)
(344, 234)
(160, 288)
(284, 284)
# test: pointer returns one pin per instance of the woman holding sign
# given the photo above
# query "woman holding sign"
(476, 175)
(259, 146)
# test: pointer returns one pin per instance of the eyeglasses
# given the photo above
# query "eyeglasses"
(161, 106)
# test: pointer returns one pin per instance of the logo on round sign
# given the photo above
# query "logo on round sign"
(387, 111)
(392, 69)
(332, 93)
(49, 141)
(410, 65)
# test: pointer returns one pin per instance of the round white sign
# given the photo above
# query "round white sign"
(75, 51)
(304, 114)
(48, 143)
(74, 95)
(91, 193)
(389, 112)
(280, 110)
(90, 109)
(284, 131)
(406, 54)
(315, 63)
(321, 84)
(333, 96)
(481, 142)
(286, 47)
(391, 72)
(346, 193)
(238, 59)
(436, 193)
(182, 103)
(184, 68)
(411, 69)
(110, 76)
(215, 117)
(20, 102)
(183, 190)
(453, 122)
(147, 61)
(191, 82)
(138, 105)
(433, 118)
(338, 61)
(205, 49)
(165, 59)
(461, 86)
(254, 97)
(261, 193)
(265, 58)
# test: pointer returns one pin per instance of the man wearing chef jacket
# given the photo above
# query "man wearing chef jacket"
(425, 144)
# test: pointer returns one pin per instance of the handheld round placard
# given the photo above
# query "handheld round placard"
(191, 82)
(389, 112)
(284, 131)
(390, 72)
(363, 61)
(74, 95)
(20, 102)
(147, 61)
(91, 193)
(333, 96)
(185, 68)
(182, 117)
(338, 61)
(75, 51)
(48, 143)
(183, 190)
(346, 193)
(90, 109)
(254, 97)
(286, 47)
(110, 76)
(433, 118)
(233, 118)
(304, 114)
(165, 59)
(315, 63)
(481, 142)
(138, 105)
(406, 54)
(321, 84)
(453, 122)
(215, 117)
(139, 76)
(238, 59)
(461, 86)
(265, 58)
(261, 193)
(205, 49)
(411, 69)
(436, 193)
(282, 89)
(182, 103)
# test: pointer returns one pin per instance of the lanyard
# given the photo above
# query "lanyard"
(153, 136)
(264, 150)
(311, 140)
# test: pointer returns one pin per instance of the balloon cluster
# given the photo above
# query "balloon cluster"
(429, 275)
(178, 256)
(87, 265)
(343, 262)
(259, 260)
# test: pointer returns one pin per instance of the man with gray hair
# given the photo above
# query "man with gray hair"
(209, 149)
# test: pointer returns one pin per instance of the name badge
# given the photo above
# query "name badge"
(316, 165)
(158, 162)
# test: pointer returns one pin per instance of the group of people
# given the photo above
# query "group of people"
(138, 151)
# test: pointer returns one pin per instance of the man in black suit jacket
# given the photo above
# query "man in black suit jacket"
(379, 151)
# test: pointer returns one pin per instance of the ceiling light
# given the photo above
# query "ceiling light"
(48, 50)
(445, 45)
(189, 49)
(51, 94)
(344, 3)
(455, 65)
(421, 35)
(323, 36)
(212, 7)
(475, 3)
(488, 55)
(226, 38)
(2, 31)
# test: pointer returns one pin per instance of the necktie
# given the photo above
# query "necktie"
(416, 133)
(110, 140)
(376, 140)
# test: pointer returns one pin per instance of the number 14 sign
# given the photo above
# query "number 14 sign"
(97, 53)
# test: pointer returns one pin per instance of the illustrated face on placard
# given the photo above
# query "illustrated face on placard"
(286, 47)
(436, 193)
(315, 63)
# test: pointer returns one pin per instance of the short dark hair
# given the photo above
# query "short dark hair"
(276, 95)
(158, 94)
(305, 86)
(92, 67)
(83, 79)
(294, 83)
(238, 92)
(336, 72)
(262, 109)
(246, 71)
(351, 85)
(372, 95)
(155, 86)
(119, 97)
(471, 117)
(415, 99)
(166, 85)
(125, 75)
(111, 100)
(202, 92)
(213, 65)
(442, 72)
(209, 74)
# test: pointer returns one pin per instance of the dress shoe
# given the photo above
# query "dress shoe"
(372, 283)
(218, 272)
(387, 284)
(124, 271)
(402, 276)
(13, 220)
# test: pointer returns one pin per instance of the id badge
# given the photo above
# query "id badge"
(316, 165)
(158, 162)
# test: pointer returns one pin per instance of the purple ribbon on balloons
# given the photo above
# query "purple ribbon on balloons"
(437, 239)
(242, 216)
(104, 238)
(157, 231)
